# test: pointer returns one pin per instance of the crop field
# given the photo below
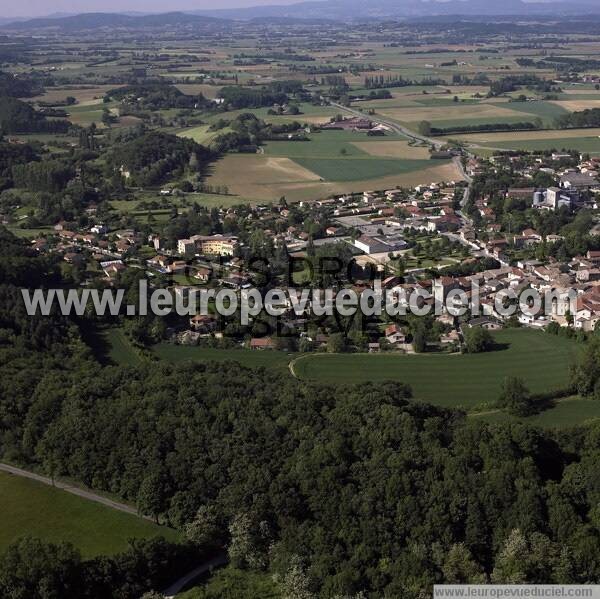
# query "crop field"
(356, 169)
(393, 149)
(467, 380)
(267, 178)
(583, 140)
(578, 104)
(331, 162)
(54, 515)
(84, 94)
(547, 111)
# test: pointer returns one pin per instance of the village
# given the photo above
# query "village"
(438, 237)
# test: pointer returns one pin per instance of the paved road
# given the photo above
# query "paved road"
(436, 143)
(90, 495)
(184, 581)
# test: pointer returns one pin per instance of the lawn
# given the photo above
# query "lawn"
(33, 508)
(570, 412)
(246, 357)
(464, 381)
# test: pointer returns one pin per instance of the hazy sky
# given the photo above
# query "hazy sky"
(9, 8)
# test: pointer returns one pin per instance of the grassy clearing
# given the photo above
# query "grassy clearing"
(457, 380)
(32, 508)
(570, 412)
(246, 357)
(111, 346)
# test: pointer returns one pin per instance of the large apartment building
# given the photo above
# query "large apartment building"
(214, 245)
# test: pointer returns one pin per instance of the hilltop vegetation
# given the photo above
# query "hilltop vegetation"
(153, 157)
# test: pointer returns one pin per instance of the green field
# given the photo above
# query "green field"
(359, 169)
(36, 509)
(464, 381)
(570, 412)
(246, 357)
(545, 110)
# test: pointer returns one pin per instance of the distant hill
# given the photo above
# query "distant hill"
(88, 21)
(359, 9)
(316, 11)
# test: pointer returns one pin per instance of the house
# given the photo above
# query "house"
(262, 343)
(202, 274)
(112, 269)
(450, 338)
(158, 262)
(578, 181)
(203, 324)
(394, 335)
(485, 322)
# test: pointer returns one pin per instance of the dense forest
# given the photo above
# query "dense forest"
(354, 488)
(582, 119)
(19, 117)
(240, 97)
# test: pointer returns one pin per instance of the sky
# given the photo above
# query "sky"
(36, 8)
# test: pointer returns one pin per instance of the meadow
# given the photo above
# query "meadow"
(460, 380)
(54, 515)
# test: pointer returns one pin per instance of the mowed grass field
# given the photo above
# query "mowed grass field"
(32, 508)
(246, 357)
(464, 381)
